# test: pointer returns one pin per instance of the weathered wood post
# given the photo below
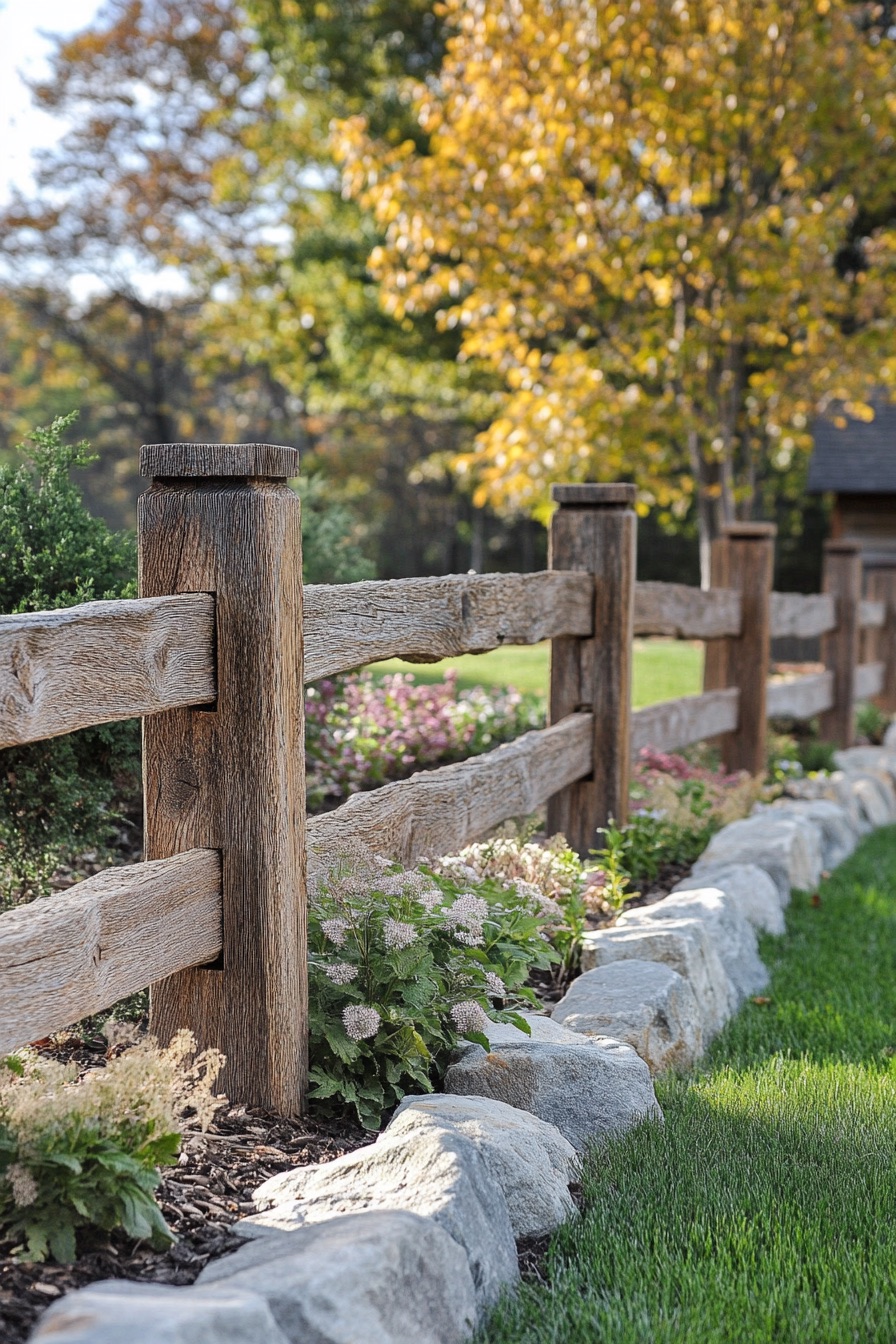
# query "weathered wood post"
(594, 529)
(842, 577)
(221, 519)
(882, 587)
(748, 567)
(715, 651)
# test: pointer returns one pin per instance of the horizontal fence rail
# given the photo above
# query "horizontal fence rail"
(677, 723)
(80, 951)
(686, 613)
(872, 614)
(869, 680)
(802, 615)
(103, 661)
(423, 620)
(439, 811)
(801, 697)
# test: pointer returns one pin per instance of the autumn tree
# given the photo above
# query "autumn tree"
(636, 214)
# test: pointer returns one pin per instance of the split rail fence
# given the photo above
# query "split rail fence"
(214, 655)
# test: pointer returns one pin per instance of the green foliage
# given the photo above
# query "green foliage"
(85, 1153)
(56, 796)
(654, 839)
(403, 965)
(871, 722)
(330, 549)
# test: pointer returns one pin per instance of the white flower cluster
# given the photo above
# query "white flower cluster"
(552, 868)
(360, 1022)
(341, 972)
(334, 930)
(495, 986)
(469, 1016)
(397, 934)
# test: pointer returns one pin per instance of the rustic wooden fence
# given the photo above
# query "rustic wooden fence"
(213, 656)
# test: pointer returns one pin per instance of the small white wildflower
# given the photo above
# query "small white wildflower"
(334, 930)
(397, 934)
(24, 1186)
(494, 986)
(360, 1022)
(468, 909)
(430, 898)
(341, 972)
(471, 936)
(468, 1016)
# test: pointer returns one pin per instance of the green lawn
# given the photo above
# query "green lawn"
(764, 1212)
(664, 669)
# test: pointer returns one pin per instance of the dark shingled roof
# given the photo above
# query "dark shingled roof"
(857, 460)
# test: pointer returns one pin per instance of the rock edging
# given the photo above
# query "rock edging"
(413, 1236)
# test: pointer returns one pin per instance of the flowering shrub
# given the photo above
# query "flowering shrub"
(77, 1153)
(404, 963)
(360, 732)
(553, 870)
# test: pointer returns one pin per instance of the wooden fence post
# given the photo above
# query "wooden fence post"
(749, 566)
(715, 651)
(882, 587)
(842, 577)
(230, 776)
(594, 529)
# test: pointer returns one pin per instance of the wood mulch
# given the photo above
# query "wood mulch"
(209, 1189)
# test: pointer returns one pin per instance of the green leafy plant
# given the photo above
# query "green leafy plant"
(614, 862)
(85, 1153)
(871, 722)
(403, 964)
(60, 796)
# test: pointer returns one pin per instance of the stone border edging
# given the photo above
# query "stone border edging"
(414, 1237)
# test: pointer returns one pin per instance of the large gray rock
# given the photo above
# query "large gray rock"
(730, 933)
(439, 1174)
(788, 848)
(531, 1160)
(376, 1278)
(589, 1087)
(118, 1312)
(875, 797)
(837, 788)
(858, 759)
(839, 830)
(890, 738)
(643, 1003)
(683, 944)
(748, 885)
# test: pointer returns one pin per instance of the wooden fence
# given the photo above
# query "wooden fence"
(213, 656)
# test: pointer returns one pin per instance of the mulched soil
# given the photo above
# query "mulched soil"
(209, 1189)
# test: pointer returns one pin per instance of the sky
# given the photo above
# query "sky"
(23, 51)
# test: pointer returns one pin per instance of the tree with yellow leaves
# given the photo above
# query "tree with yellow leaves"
(644, 216)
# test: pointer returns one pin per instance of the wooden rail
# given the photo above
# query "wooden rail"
(102, 661)
(869, 680)
(872, 614)
(439, 811)
(423, 620)
(677, 723)
(801, 697)
(76, 953)
(675, 610)
(803, 615)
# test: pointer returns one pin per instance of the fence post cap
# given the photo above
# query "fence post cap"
(180, 460)
(590, 494)
(749, 531)
(841, 546)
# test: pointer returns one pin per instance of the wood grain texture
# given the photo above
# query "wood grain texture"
(685, 613)
(750, 562)
(595, 674)
(233, 779)
(872, 614)
(882, 643)
(590, 494)
(439, 811)
(677, 723)
(182, 460)
(715, 651)
(869, 680)
(842, 578)
(80, 951)
(423, 620)
(800, 697)
(103, 661)
(802, 615)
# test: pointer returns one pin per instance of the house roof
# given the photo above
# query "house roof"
(859, 459)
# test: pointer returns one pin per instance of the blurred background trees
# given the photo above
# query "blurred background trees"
(607, 241)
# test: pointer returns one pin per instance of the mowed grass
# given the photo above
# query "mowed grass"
(764, 1211)
(664, 669)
